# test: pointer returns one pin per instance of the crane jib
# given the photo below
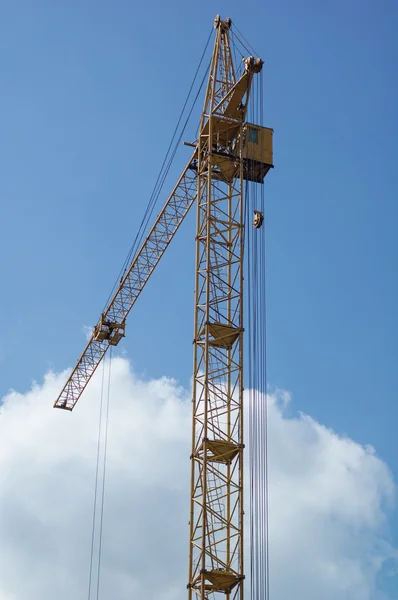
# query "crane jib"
(110, 328)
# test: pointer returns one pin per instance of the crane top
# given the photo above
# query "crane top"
(252, 65)
(225, 25)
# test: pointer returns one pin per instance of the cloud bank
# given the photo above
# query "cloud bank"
(329, 498)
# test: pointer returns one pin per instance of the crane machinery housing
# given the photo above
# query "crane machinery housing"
(228, 153)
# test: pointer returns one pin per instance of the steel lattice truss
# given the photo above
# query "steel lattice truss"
(216, 517)
(217, 502)
(143, 265)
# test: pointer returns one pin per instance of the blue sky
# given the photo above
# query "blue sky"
(91, 92)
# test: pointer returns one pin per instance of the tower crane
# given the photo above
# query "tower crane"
(228, 152)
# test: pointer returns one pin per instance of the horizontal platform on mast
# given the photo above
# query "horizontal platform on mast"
(218, 580)
(221, 451)
(221, 581)
(222, 334)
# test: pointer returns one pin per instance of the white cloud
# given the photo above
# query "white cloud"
(329, 503)
(330, 498)
(87, 331)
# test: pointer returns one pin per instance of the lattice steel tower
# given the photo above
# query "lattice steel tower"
(216, 516)
(228, 152)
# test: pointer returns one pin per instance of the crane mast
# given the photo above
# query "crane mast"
(228, 152)
(216, 514)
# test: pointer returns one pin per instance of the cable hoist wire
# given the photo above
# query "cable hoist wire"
(164, 170)
(99, 490)
(163, 178)
(238, 64)
(245, 44)
(104, 475)
(257, 376)
(96, 485)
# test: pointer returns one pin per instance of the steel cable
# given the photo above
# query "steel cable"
(257, 377)
(164, 170)
(99, 493)
(104, 474)
(96, 485)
